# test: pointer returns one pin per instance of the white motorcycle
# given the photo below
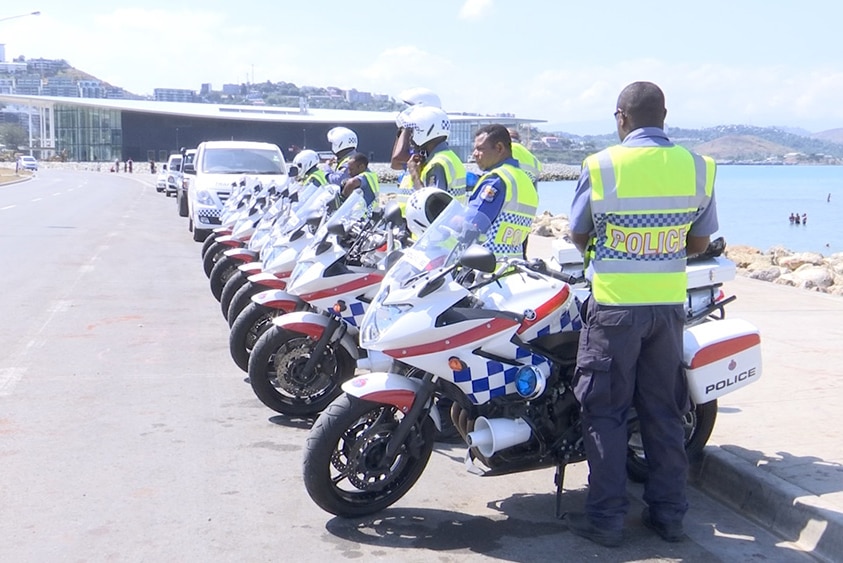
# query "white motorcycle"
(499, 340)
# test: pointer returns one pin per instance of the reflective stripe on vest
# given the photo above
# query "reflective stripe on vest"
(510, 229)
(527, 160)
(639, 250)
(454, 173)
(404, 190)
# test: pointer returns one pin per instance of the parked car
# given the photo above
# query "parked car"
(181, 187)
(218, 165)
(173, 174)
(161, 179)
(27, 163)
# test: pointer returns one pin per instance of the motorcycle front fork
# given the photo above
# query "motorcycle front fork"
(420, 403)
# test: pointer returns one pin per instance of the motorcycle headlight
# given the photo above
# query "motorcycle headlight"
(379, 321)
(204, 197)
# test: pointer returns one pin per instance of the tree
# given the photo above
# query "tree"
(13, 136)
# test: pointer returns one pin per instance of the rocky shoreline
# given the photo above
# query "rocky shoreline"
(805, 270)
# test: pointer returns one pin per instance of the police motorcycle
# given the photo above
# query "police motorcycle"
(297, 365)
(500, 340)
(235, 208)
(262, 297)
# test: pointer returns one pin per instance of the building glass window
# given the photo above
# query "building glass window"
(89, 134)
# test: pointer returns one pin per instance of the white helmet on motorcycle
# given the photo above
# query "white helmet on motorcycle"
(342, 138)
(304, 161)
(427, 123)
(423, 206)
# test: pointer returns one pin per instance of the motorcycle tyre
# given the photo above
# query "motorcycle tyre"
(206, 244)
(229, 290)
(262, 372)
(705, 416)
(253, 320)
(214, 253)
(241, 300)
(337, 421)
(221, 273)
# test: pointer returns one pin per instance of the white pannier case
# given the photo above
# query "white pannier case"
(721, 357)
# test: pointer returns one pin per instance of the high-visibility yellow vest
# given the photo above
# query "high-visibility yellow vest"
(372, 178)
(317, 177)
(508, 232)
(643, 202)
(527, 161)
(454, 172)
(404, 190)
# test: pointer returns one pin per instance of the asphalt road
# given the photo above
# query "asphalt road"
(128, 434)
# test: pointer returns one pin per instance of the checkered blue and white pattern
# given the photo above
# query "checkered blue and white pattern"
(353, 315)
(567, 322)
(496, 381)
(637, 221)
(501, 249)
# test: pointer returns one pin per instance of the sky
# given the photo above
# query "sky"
(763, 63)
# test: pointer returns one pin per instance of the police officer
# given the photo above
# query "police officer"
(640, 208)
(505, 193)
(343, 143)
(402, 149)
(528, 162)
(433, 163)
(363, 178)
(307, 161)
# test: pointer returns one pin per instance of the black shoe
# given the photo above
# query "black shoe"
(669, 532)
(580, 524)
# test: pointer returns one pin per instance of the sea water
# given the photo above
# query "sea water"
(754, 204)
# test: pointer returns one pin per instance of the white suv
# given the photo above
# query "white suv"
(219, 164)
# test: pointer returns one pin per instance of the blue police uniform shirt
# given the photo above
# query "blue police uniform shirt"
(705, 224)
(489, 195)
(338, 176)
(436, 176)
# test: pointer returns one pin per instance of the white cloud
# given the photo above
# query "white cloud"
(474, 9)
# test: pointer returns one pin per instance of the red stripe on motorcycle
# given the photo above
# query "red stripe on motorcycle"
(546, 308)
(722, 350)
(272, 283)
(365, 281)
(399, 398)
(493, 326)
(314, 331)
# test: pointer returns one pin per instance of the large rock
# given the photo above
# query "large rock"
(795, 261)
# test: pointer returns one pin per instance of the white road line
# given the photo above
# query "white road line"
(38, 199)
(9, 377)
(7, 207)
(57, 193)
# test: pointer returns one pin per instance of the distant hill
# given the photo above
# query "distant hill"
(833, 135)
(740, 147)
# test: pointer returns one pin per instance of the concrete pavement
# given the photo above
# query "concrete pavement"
(776, 453)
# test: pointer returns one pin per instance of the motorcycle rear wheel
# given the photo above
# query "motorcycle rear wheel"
(247, 329)
(698, 424)
(343, 470)
(276, 372)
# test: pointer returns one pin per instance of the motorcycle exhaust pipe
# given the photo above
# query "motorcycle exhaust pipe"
(492, 435)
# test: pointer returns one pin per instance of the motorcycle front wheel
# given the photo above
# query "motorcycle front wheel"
(241, 300)
(278, 377)
(211, 255)
(230, 289)
(221, 273)
(346, 472)
(247, 328)
(698, 425)
(206, 244)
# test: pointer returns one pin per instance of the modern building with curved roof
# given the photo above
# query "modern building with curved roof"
(105, 130)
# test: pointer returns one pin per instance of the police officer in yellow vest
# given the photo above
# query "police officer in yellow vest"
(528, 162)
(307, 161)
(363, 178)
(433, 163)
(343, 143)
(505, 193)
(640, 208)
(402, 149)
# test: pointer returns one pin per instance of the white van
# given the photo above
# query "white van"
(218, 165)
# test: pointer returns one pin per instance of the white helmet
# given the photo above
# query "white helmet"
(305, 160)
(427, 123)
(342, 138)
(423, 206)
(420, 97)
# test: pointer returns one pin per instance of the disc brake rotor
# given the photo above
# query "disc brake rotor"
(289, 365)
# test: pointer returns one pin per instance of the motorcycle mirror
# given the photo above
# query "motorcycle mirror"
(478, 258)
(393, 215)
(293, 171)
(337, 229)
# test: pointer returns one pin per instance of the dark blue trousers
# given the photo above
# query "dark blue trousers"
(632, 356)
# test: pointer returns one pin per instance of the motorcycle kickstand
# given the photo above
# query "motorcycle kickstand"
(558, 481)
